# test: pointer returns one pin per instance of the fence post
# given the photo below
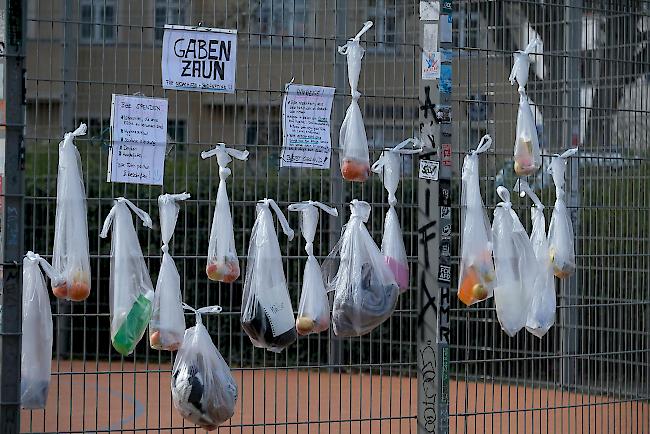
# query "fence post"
(434, 245)
(11, 205)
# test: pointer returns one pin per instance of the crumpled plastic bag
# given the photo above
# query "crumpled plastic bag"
(314, 307)
(521, 66)
(528, 156)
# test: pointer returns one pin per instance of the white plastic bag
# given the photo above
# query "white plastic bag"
(314, 307)
(528, 156)
(70, 256)
(223, 263)
(365, 290)
(266, 312)
(36, 357)
(522, 62)
(355, 161)
(167, 324)
(476, 281)
(203, 389)
(515, 265)
(389, 167)
(131, 292)
(541, 315)
(560, 230)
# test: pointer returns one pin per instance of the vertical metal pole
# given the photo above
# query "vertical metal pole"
(434, 264)
(12, 213)
(571, 131)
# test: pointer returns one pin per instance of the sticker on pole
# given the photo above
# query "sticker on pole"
(199, 59)
(429, 169)
(138, 140)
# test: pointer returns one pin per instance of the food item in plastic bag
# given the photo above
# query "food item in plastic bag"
(365, 290)
(203, 389)
(389, 167)
(223, 263)
(314, 307)
(70, 255)
(528, 157)
(476, 282)
(167, 324)
(36, 357)
(541, 315)
(560, 230)
(131, 292)
(515, 265)
(266, 313)
(521, 65)
(355, 161)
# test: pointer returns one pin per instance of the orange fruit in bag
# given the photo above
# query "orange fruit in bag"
(60, 291)
(355, 171)
(78, 291)
(466, 288)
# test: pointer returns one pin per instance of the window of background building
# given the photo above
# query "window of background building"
(168, 12)
(263, 133)
(383, 13)
(279, 18)
(98, 19)
(176, 130)
(467, 27)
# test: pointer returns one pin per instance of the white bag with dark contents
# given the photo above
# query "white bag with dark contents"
(560, 230)
(355, 161)
(365, 290)
(131, 292)
(266, 311)
(167, 324)
(203, 389)
(521, 64)
(476, 281)
(541, 315)
(528, 156)
(70, 256)
(223, 263)
(516, 266)
(36, 356)
(389, 167)
(314, 307)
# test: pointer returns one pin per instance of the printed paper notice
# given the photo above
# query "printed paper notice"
(445, 28)
(138, 140)
(430, 65)
(199, 59)
(306, 113)
(429, 10)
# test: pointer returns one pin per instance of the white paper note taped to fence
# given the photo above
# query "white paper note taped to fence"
(430, 37)
(429, 10)
(306, 113)
(138, 140)
(199, 59)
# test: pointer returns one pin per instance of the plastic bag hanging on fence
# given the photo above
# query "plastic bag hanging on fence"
(541, 315)
(167, 324)
(203, 389)
(355, 161)
(267, 314)
(389, 167)
(314, 308)
(70, 256)
(528, 157)
(223, 263)
(516, 266)
(560, 230)
(522, 62)
(131, 292)
(476, 281)
(36, 357)
(365, 290)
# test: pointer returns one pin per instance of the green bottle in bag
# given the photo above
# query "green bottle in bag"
(134, 326)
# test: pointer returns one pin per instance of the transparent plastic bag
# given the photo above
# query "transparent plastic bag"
(521, 64)
(36, 357)
(314, 307)
(355, 161)
(476, 281)
(365, 290)
(203, 389)
(223, 262)
(167, 324)
(560, 230)
(389, 167)
(515, 265)
(70, 256)
(131, 292)
(528, 157)
(541, 315)
(267, 314)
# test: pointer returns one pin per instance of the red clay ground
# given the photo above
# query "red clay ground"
(312, 402)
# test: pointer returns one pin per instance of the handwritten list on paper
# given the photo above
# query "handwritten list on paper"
(138, 140)
(306, 122)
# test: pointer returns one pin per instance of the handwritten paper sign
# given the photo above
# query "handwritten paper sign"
(138, 140)
(306, 112)
(199, 59)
